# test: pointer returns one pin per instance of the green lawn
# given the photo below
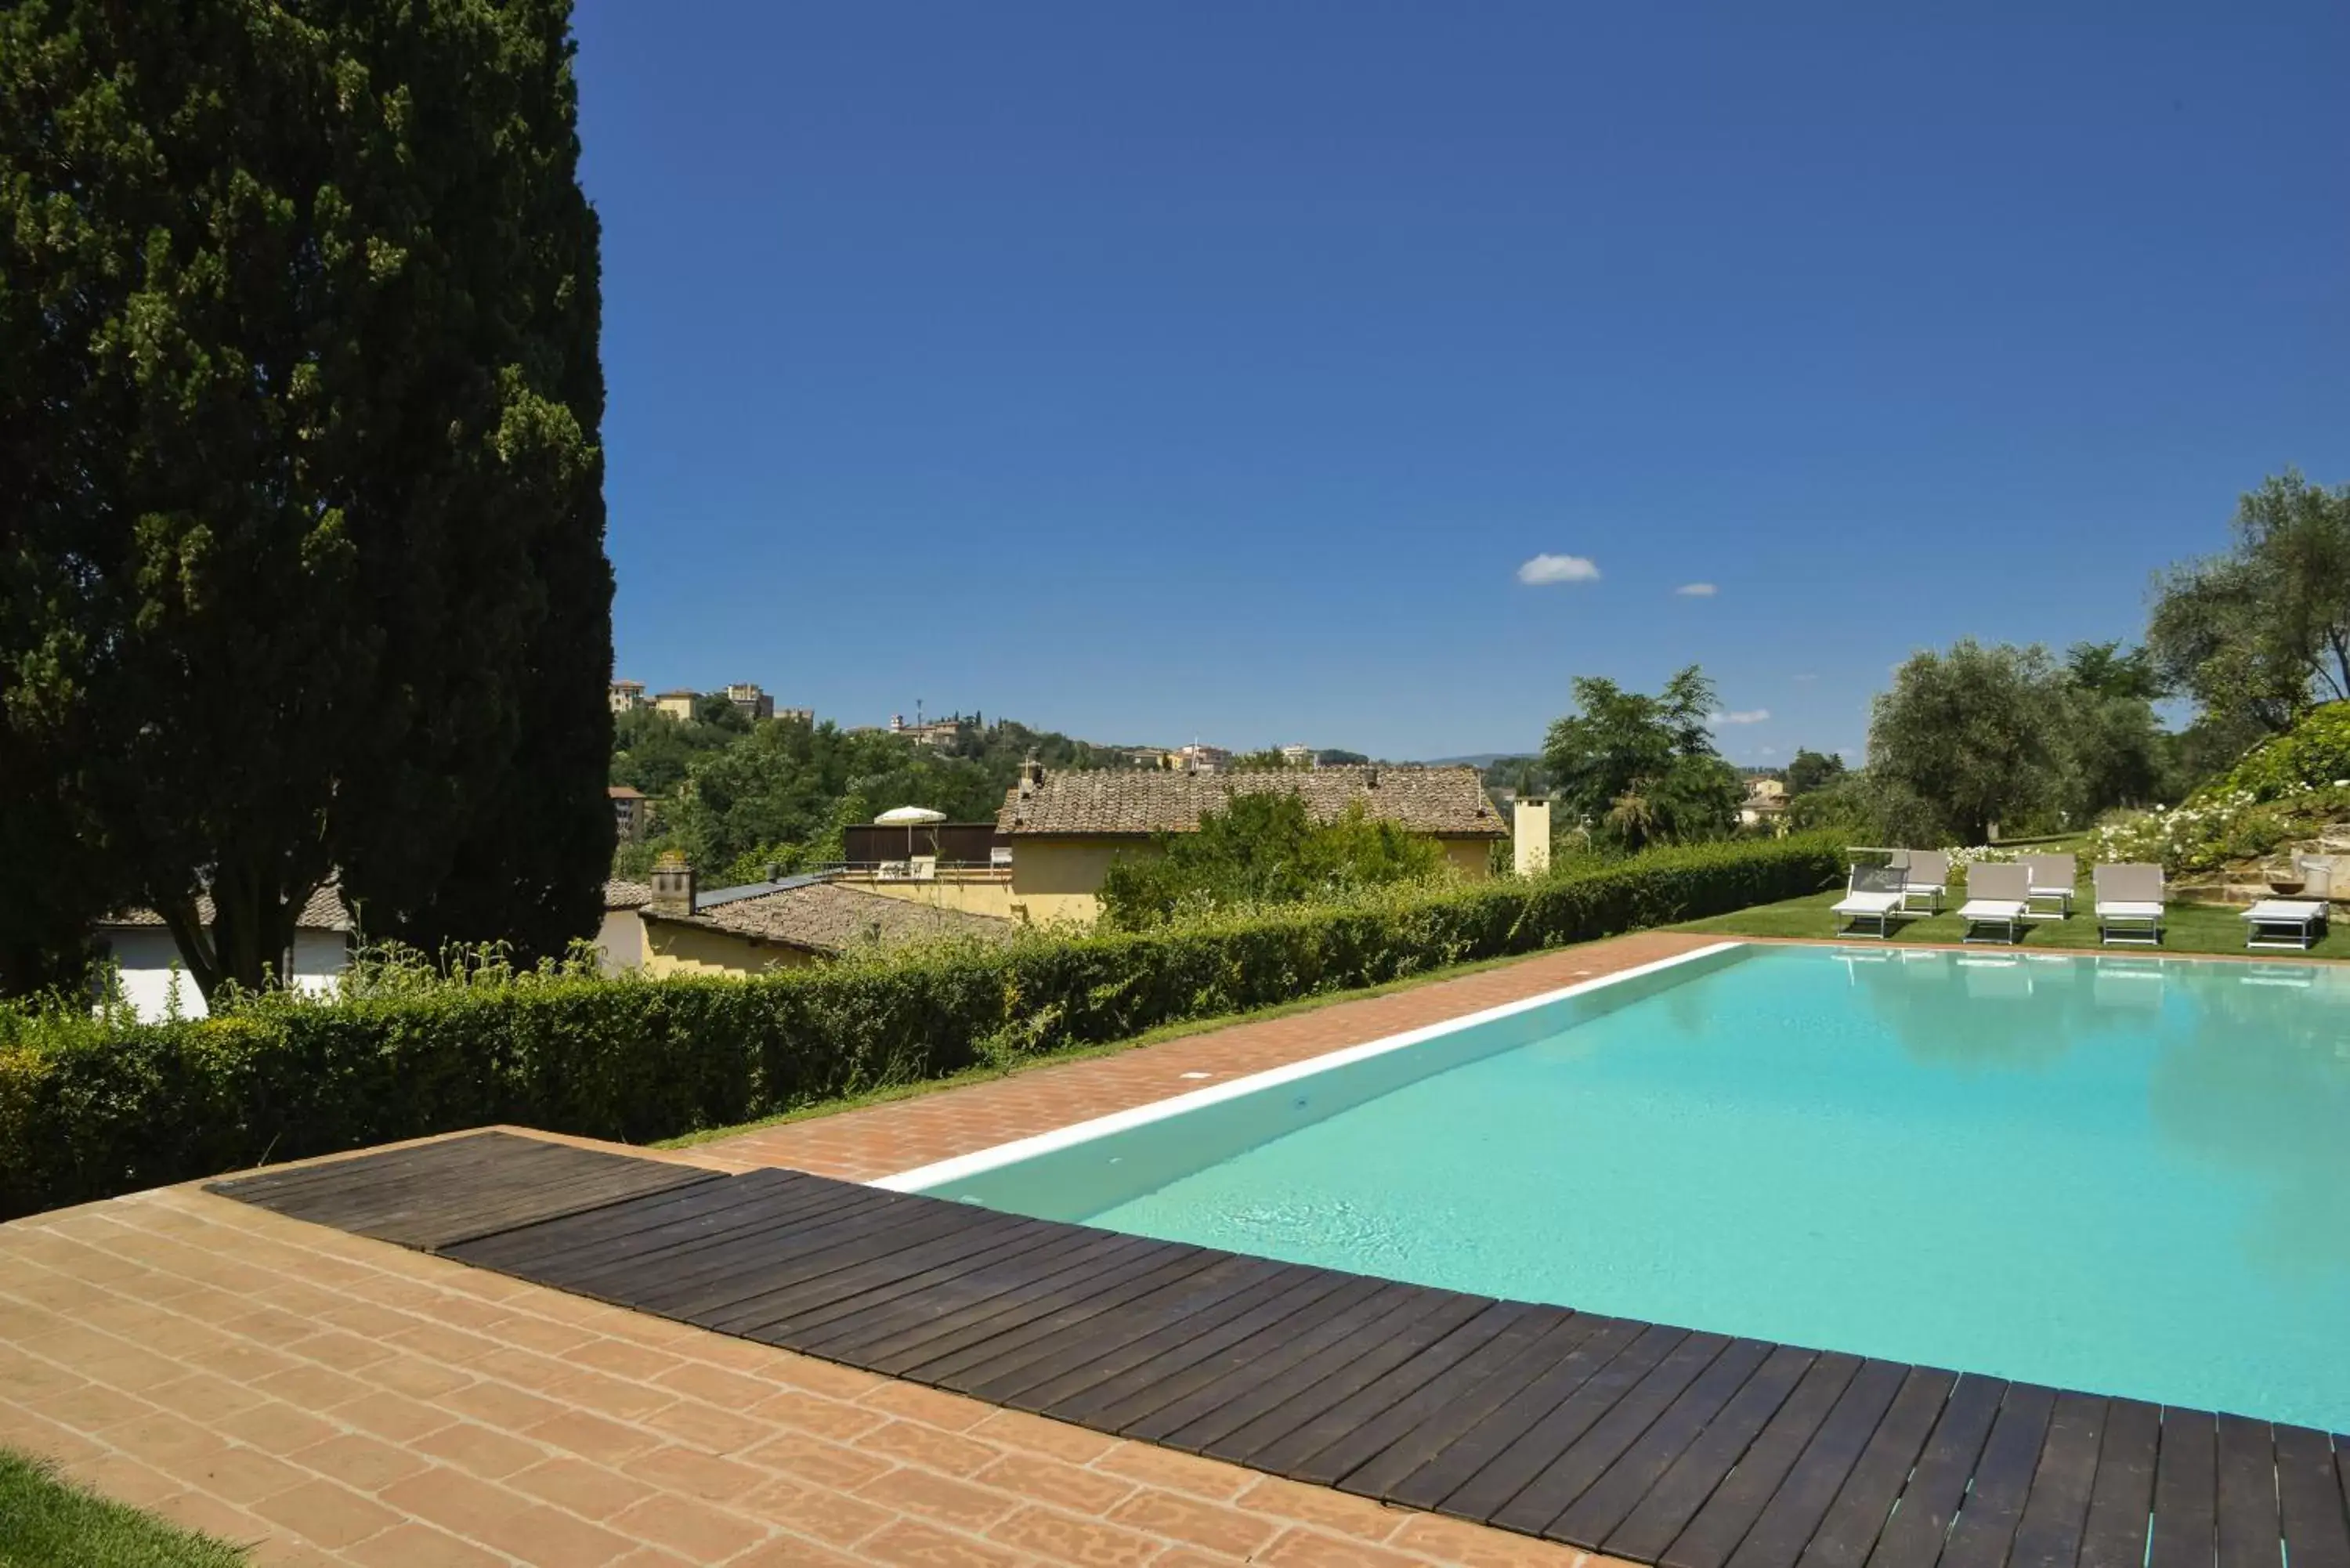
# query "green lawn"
(2192, 928)
(46, 1523)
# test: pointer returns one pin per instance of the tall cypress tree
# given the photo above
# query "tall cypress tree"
(301, 563)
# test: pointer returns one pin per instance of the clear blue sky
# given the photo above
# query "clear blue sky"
(1148, 372)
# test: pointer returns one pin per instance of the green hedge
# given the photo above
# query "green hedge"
(89, 1107)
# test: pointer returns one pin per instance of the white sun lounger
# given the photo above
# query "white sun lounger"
(2053, 877)
(2293, 923)
(1996, 896)
(1872, 895)
(1925, 874)
(2128, 904)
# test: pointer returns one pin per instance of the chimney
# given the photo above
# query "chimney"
(1032, 776)
(672, 886)
(1371, 777)
(1529, 836)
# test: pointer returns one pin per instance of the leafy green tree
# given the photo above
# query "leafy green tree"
(1262, 848)
(2115, 750)
(1812, 771)
(1975, 734)
(2261, 631)
(716, 711)
(784, 791)
(1268, 761)
(652, 750)
(1638, 769)
(301, 558)
(1331, 757)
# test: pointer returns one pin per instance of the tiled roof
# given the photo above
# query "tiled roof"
(623, 792)
(826, 918)
(322, 911)
(620, 894)
(1446, 802)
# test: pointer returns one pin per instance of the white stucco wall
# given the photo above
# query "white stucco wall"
(148, 965)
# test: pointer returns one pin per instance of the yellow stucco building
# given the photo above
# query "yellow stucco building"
(1066, 827)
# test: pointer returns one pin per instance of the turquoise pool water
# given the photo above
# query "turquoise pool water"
(2124, 1175)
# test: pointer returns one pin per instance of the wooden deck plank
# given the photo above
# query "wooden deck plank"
(1491, 1466)
(2056, 1511)
(2186, 1492)
(630, 1228)
(1077, 1393)
(1714, 1532)
(710, 1276)
(874, 1281)
(1985, 1527)
(1194, 1377)
(443, 1193)
(1555, 1487)
(996, 1287)
(1213, 1297)
(1038, 1312)
(2248, 1535)
(1319, 1450)
(2113, 1535)
(1460, 1455)
(1921, 1519)
(1263, 1417)
(1787, 1522)
(1848, 1533)
(2309, 1493)
(1554, 1354)
(882, 1286)
(774, 1222)
(1059, 1318)
(1600, 1498)
(1659, 1516)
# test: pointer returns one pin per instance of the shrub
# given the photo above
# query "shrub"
(92, 1105)
(2313, 754)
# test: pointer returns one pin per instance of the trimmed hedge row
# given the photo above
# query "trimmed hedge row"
(90, 1109)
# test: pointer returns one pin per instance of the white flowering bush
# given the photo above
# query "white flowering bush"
(2227, 823)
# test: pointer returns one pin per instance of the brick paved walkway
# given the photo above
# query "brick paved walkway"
(865, 1144)
(334, 1401)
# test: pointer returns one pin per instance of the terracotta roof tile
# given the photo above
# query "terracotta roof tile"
(826, 918)
(322, 911)
(620, 894)
(1444, 802)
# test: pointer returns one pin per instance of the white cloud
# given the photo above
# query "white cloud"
(1697, 590)
(1807, 677)
(1741, 716)
(1769, 751)
(1559, 570)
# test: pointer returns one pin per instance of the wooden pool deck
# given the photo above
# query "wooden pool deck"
(1652, 1443)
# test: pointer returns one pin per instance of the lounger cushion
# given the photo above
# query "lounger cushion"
(2283, 910)
(2127, 911)
(1990, 909)
(1868, 904)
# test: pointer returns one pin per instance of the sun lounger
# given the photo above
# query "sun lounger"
(2128, 905)
(1873, 896)
(2053, 877)
(1997, 898)
(1925, 874)
(2292, 923)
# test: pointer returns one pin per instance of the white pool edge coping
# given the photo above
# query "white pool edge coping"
(967, 1165)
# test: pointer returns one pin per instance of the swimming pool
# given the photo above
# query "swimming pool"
(2126, 1175)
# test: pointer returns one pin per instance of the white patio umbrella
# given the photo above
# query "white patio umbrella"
(911, 817)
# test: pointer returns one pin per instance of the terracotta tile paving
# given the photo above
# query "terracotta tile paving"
(880, 1139)
(332, 1400)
